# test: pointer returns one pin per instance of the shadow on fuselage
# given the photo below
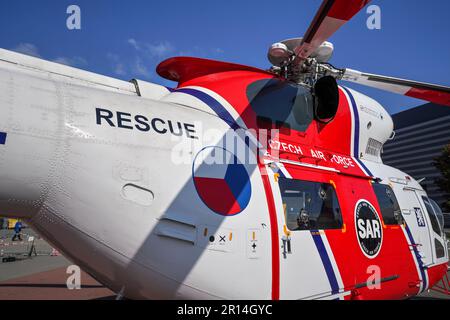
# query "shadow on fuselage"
(172, 263)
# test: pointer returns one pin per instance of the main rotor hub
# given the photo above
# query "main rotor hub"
(283, 58)
(280, 53)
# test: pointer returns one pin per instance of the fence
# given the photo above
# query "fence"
(30, 245)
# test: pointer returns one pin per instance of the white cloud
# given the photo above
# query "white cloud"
(117, 66)
(197, 51)
(159, 50)
(134, 44)
(112, 56)
(119, 69)
(32, 50)
(139, 68)
(73, 62)
(146, 56)
(28, 49)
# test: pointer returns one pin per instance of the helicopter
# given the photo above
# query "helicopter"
(240, 183)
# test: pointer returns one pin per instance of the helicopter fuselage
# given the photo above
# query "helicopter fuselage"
(151, 191)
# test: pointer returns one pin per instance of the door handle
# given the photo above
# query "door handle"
(287, 248)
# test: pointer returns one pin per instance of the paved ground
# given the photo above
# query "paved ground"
(51, 285)
(44, 277)
(41, 277)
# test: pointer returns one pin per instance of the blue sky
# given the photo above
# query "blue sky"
(127, 39)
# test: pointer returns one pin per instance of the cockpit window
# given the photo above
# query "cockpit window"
(390, 210)
(437, 222)
(282, 103)
(434, 220)
(310, 205)
(438, 212)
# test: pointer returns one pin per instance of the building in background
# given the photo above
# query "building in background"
(420, 135)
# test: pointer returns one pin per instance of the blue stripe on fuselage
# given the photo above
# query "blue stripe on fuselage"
(356, 139)
(326, 261)
(418, 257)
(215, 105)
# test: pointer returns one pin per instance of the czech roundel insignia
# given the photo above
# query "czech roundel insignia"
(222, 182)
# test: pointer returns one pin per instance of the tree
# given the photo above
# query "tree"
(443, 164)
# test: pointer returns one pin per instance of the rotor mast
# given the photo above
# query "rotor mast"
(305, 60)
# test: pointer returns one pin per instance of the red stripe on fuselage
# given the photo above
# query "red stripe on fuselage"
(274, 234)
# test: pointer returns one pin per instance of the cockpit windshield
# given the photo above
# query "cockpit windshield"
(282, 103)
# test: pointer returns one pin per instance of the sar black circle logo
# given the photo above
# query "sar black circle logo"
(368, 229)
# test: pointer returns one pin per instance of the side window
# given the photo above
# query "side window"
(310, 205)
(390, 210)
(434, 221)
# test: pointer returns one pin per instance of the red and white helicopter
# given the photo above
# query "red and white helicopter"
(238, 184)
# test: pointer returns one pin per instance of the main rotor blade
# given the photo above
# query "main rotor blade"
(330, 17)
(420, 90)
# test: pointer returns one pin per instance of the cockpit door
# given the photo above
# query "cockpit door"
(418, 223)
(437, 234)
(308, 210)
